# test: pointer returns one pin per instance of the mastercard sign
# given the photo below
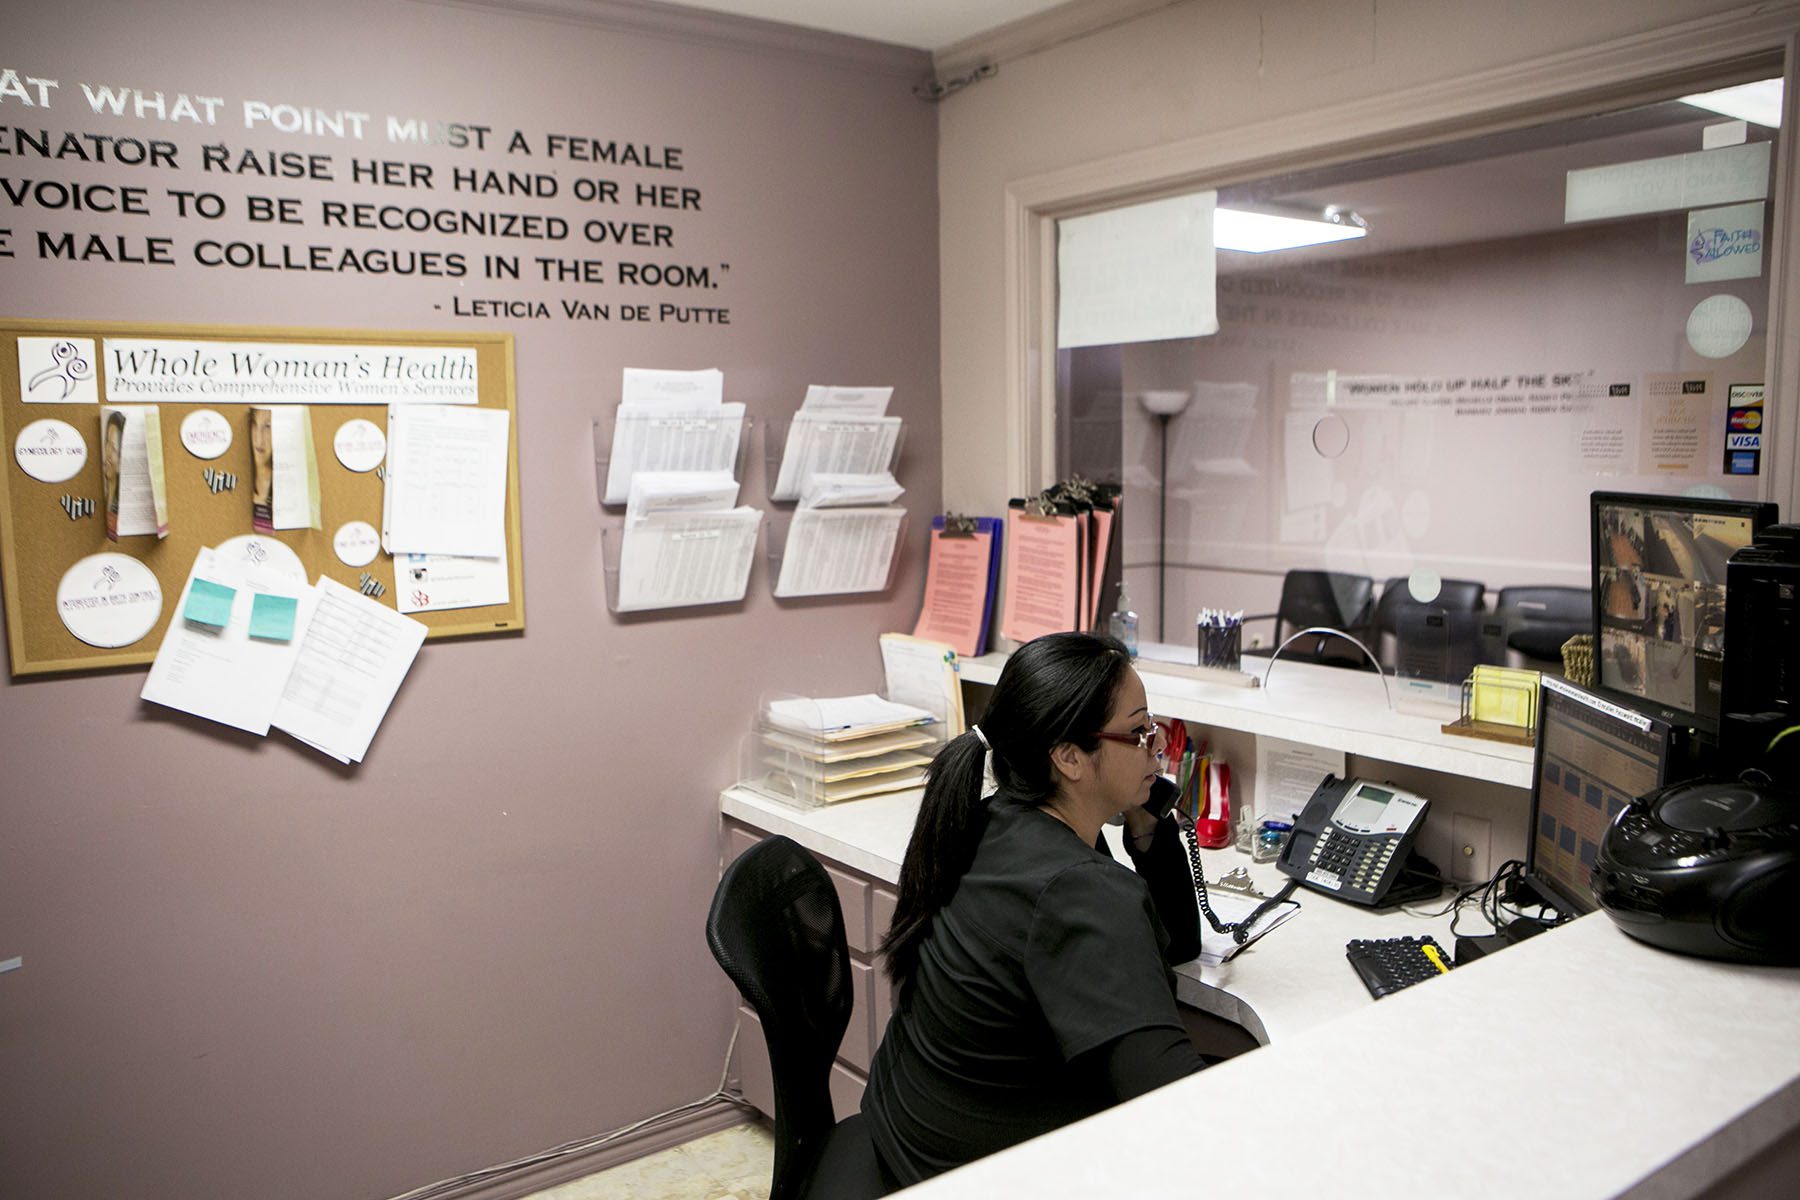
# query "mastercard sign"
(1746, 418)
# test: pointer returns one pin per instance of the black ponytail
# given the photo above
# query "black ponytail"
(1055, 689)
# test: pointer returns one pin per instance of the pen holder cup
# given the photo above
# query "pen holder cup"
(1221, 646)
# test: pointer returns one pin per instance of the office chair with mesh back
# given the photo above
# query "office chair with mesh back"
(1540, 619)
(777, 929)
(1328, 599)
(1396, 605)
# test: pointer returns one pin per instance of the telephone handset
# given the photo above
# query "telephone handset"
(1163, 797)
(1354, 841)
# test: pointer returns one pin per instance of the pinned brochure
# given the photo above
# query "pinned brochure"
(131, 471)
(284, 469)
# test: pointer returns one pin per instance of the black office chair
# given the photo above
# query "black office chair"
(1327, 599)
(1539, 619)
(1397, 607)
(777, 929)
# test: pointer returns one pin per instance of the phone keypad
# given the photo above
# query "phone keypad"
(1341, 862)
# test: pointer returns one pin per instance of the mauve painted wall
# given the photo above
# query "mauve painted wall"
(248, 972)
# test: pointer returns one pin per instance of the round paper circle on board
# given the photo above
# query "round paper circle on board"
(261, 550)
(1719, 326)
(205, 433)
(109, 600)
(356, 543)
(50, 451)
(360, 444)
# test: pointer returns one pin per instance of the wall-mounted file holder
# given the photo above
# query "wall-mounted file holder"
(680, 559)
(835, 551)
(671, 441)
(798, 753)
(828, 443)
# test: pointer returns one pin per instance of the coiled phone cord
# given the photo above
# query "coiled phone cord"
(1239, 931)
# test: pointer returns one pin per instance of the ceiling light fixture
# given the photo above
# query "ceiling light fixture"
(1759, 102)
(1259, 233)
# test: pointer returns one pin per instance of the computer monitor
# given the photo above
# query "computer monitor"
(1594, 756)
(1659, 598)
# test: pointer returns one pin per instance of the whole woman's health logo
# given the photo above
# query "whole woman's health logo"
(57, 370)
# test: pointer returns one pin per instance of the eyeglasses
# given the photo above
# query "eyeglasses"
(1152, 736)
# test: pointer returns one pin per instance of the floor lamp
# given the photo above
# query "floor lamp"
(1162, 405)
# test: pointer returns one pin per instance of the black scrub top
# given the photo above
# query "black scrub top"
(1048, 949)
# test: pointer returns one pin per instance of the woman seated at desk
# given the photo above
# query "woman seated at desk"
(1033, 969)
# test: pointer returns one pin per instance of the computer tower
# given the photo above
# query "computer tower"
(1760, 688)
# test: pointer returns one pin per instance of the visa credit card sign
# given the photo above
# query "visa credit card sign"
(1743, 429)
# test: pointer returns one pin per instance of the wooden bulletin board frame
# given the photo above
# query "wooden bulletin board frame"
(39, 540)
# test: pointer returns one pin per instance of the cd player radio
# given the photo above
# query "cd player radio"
(1710, 867)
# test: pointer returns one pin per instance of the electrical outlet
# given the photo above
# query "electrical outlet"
(1469, 848)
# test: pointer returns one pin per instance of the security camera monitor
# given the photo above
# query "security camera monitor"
(1659, 598)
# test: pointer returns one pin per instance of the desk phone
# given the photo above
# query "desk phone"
(1353, 839)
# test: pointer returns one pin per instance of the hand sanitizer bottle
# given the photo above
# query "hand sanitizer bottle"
(1124, 622)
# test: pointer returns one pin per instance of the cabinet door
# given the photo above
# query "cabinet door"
(858, 1038)
(752, 1061)
(846, 1091)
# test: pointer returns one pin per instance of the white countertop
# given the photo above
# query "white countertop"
(1323, 706)
(1578, 1064)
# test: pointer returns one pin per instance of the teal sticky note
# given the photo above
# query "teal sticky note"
(272, 617)
(209, 603)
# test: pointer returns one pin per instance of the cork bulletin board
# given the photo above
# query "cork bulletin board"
(48, 527)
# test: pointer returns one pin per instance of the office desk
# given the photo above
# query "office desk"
(1291, 980)
(1577, 1064)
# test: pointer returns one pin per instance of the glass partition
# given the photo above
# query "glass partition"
(1527, 317)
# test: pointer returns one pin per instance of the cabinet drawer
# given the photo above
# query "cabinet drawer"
(881, 912)
(853, 896)
(738, 839)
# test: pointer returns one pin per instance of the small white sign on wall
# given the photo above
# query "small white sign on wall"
(1725, 243)
(1143, 273)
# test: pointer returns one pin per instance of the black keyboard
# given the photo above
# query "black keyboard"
(1389, 964)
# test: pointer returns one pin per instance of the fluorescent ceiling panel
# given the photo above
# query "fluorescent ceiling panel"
(1759, 102)
(1259, 233)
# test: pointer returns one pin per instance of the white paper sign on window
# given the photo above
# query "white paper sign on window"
(1143, 273)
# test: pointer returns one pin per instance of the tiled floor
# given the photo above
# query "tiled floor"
(733, 1164)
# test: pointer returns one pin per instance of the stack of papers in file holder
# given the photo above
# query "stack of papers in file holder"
(811, 752)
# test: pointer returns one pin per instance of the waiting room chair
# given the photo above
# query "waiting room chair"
(1396, 607)
(1539, 619)
(1328, 599)
(778, 931)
